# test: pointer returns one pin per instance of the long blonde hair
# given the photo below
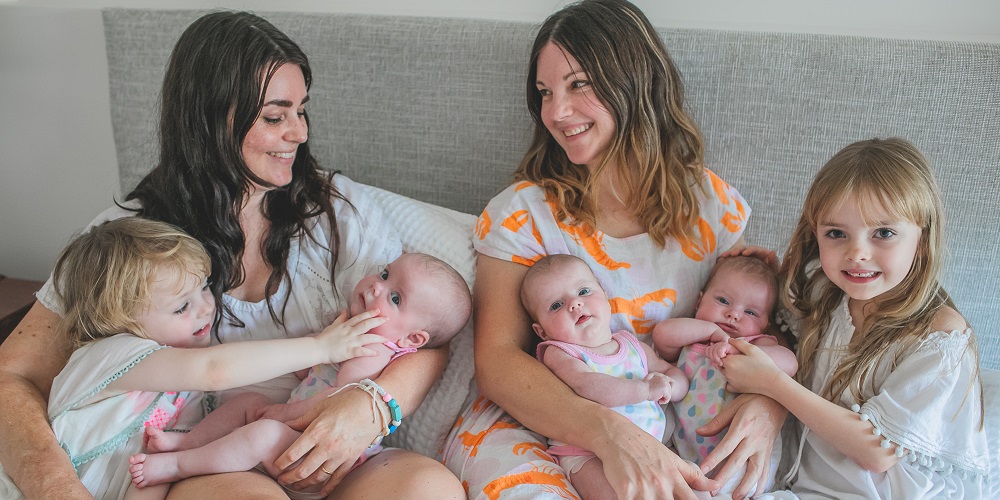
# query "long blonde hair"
(103, 275)
(893, 175)
(657, 150)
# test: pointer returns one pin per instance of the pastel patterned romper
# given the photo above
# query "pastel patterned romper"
(628, 362)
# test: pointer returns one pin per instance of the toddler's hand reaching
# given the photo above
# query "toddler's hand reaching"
(346, 338)
(719, 350)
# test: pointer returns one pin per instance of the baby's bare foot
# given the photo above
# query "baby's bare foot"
(153, 469)
(158, 441)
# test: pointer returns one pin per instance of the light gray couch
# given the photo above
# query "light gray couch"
(434, 109)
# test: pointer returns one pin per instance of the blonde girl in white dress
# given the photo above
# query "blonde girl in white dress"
(888, 393)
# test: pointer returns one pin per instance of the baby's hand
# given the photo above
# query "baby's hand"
(346, 337)
(719, 350)
(660, 387)
(749, 369)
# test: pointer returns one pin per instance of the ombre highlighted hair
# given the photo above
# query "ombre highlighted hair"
(103, 276)
(657, 152)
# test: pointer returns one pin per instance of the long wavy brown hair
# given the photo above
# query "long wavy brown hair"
(657, 153)
(890, 175)
(213, 92)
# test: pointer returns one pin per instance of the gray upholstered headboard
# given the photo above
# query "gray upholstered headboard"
(434, 109)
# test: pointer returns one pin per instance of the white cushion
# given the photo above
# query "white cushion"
(445, 234)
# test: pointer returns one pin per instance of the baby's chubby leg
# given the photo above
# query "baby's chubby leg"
(259, 442)
(237, 412)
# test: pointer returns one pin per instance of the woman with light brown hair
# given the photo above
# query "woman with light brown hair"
(614, 175)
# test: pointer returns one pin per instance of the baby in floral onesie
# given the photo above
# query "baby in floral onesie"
(737, 302)
(573, 318)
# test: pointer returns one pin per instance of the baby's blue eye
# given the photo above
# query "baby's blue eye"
(724, 301)
(555, 306)
(395, 298)
(751, 313)
(384, 274)
(584, 292)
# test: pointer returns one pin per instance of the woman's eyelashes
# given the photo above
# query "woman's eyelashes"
(274, 120)
(574, 85)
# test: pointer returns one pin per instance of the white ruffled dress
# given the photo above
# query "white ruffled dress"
(927, 408)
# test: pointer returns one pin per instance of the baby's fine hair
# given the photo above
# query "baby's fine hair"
(103, 275)
(542, 267)
(753, 267)
(882, 174)
(453, 297)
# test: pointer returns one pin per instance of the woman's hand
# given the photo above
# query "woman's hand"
(639, 466)
(337, 431)
(768, 256)
(755, 423)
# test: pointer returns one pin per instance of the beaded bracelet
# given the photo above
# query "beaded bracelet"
(395, 413)
(378, 413)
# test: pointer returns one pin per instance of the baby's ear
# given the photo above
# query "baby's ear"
(414, 340)
(538, 331)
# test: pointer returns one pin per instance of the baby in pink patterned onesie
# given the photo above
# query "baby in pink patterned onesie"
(737, 302)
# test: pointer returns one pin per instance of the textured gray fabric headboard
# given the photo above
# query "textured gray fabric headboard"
(434, 109)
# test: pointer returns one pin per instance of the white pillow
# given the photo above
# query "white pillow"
(447, 235)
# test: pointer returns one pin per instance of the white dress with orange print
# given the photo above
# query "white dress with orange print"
(489, 451)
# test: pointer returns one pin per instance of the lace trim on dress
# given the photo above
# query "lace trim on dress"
(921, 460)
(123, 436)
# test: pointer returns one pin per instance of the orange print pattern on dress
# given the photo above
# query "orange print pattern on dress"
(518, 219)
(472, 441)
(634, 308)
(591, 241)
(731, 221)
(534, 447)
(697, 251)
(483, 225)
(555, 480)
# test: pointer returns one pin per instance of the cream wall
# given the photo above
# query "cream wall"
(57, 158)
